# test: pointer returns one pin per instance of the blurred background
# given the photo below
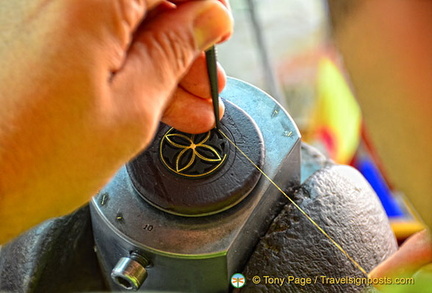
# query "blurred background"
(284, 47)
(275, 47)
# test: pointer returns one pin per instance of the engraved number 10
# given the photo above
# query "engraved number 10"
(148, 227)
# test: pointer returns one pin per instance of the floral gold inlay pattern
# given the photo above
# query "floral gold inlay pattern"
(193, 155)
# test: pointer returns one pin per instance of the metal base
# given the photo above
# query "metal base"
(200, 254)
(58, 255)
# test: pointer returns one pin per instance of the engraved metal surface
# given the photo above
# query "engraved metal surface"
(200, 253)
(197, 175)
(193, 155)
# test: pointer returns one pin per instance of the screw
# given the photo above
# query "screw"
(130, 272)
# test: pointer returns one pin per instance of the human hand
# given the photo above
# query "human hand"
(84, 85)
(414, 255)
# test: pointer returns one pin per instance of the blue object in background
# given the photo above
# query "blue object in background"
(376, 180)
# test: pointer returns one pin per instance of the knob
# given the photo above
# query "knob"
(129, 272)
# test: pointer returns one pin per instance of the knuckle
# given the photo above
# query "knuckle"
(177, 48)
(171, 52)
(131, 11)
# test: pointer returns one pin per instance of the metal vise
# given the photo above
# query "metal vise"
(187, 212)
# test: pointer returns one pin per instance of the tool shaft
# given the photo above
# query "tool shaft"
(211, 62)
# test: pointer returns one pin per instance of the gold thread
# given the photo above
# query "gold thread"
(193, 147)
(298, 207)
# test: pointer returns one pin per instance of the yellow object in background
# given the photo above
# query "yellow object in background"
(405, 228)
(336, 128)
(336, 121)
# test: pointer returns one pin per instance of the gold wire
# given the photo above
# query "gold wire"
(298, 207)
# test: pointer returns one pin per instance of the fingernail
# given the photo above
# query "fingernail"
(213, 24)
(371, 274)
(221, 108)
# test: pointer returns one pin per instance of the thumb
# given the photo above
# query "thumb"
(414, 253)
(162, 52)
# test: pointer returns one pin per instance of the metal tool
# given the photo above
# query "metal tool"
(211, 61)
(135, 238)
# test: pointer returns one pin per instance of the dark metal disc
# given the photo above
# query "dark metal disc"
(202, 174)
(193, 155)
